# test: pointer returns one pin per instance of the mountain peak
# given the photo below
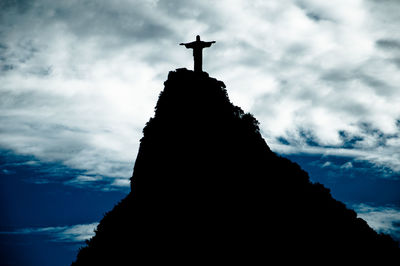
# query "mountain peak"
(206, 186)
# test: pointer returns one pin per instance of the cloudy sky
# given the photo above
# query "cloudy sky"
(79, 80)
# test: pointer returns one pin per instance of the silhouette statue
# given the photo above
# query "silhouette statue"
(197, 47)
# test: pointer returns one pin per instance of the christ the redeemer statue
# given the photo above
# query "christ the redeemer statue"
(197, 47)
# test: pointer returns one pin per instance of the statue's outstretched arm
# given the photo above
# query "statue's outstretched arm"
(188, 45)
(208, 44)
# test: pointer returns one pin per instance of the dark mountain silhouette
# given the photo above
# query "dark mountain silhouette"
(207, 188)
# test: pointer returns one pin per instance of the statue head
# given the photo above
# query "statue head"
(198, 38)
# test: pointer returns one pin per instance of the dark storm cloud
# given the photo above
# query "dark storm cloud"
(109, 21)
(337, 75)
(392, 49)
(396, 61)
(347, 75)
(388, 44)
(183, 9)
(313, 16)
(127, 22)
(313, 11)
(380, 86)
(20, 5)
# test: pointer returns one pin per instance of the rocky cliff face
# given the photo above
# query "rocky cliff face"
(207, 188)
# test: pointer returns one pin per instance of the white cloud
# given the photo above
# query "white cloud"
(347, 165)
(326, 164)
(121, 182)
(382, 219)
(83, 180)
(73, 233)
(79, 80)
